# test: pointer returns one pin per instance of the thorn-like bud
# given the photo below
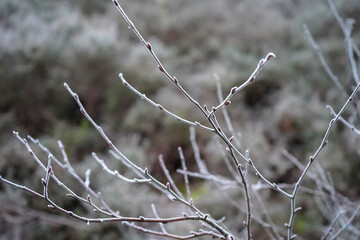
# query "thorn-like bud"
(293, 237)
(146, 171)
(298, 209)
(324, 143)
(175, 80)
(286, 225)
(205, 107)
(233, 90)
(116, 3)
(50, 206)
(43, 182)
(213, 109)
(231, 138)
(250, 162)
(197, 123)
(270, 55)
(185, 214)
(125, 83)
(228, 150)
(89, 198)
(245, 224)
(110, 144)
(252, 80)
(31, 153)
(275, 186)
(161, 68)
(191, 202)
(82, 110)
(332, 121)
(350, 99)
(257, 175)
(70, 195)
(148, 45)
(219, 129)
(160, 107)
(76, 96)
(227, 103)
(311, 158)
(206, 216)
(71, 213)
(168, 186)
(142, 218)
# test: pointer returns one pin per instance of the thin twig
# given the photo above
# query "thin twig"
(313, 157)
(174, 236)
(186, 179)
(323, 62)
(157, 215)
(350, 220)
(158, 106)
(168, 176)
(332, 224)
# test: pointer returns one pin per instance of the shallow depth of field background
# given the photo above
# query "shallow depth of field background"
(86, 43)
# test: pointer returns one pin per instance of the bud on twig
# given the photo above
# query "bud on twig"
(43, 182)
(293, 237)
(148, 45)
(270, 55)
(232, 91)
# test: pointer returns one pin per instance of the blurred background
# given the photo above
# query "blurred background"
(86, 43)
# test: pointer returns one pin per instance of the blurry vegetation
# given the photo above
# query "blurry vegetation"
(86, 44)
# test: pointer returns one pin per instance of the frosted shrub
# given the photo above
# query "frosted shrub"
(239, 183)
